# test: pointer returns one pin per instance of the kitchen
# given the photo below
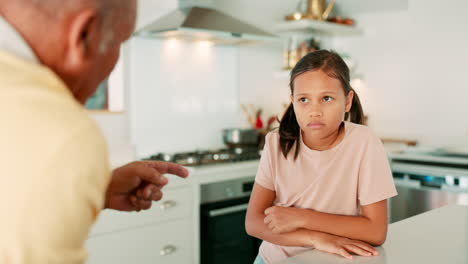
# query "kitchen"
(180, 95)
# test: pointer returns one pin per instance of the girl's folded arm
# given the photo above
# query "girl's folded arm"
(370, 226)
(260, 199)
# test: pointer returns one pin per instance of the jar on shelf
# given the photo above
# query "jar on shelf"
(296, 47)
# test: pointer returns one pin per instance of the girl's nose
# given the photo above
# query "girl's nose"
(315, 110)
(315, 113)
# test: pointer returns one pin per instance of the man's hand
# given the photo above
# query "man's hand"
(134, 186)
(283, 219)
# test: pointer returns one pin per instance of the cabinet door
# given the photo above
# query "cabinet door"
(167, 243)
(175, 204)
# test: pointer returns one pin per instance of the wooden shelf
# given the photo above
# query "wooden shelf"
(408, 142)
(314, 26)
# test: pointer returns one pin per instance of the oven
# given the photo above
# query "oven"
(222, 223)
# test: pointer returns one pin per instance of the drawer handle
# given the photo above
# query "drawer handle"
(167, 204)
(167, 250)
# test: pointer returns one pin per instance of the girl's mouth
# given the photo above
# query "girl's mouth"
(315, 125)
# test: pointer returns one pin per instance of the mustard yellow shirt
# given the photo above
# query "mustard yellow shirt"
(53, 165)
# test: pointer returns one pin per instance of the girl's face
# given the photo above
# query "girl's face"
(319, 103)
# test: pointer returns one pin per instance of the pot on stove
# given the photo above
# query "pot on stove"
(240, 137)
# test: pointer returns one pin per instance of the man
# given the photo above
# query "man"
(55, 176)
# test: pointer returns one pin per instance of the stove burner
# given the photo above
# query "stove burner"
(197, 158)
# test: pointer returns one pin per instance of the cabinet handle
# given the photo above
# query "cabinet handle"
(167, 250)
(167, 204)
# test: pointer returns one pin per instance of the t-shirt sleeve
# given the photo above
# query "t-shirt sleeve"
(375, 176)
(264, 175)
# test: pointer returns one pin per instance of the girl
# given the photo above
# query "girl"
(322, 181)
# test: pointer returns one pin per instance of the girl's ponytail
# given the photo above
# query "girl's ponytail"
(289, 132)
(355, 114)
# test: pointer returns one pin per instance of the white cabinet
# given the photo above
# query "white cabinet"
(161, 243)
(163, 234)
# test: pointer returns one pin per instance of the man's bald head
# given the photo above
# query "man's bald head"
(56, 8)
(109, 10)
(78, 39)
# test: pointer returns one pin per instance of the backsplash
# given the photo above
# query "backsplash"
(183, 94)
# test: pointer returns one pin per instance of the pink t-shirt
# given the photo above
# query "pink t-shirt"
(339, 180)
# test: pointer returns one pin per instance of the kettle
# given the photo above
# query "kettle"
(315, 10)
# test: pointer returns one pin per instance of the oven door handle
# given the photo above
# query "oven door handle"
(228, 210)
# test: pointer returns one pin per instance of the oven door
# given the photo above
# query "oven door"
(223, 236)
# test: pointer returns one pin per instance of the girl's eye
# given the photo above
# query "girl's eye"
(327, 98)
(303, 100)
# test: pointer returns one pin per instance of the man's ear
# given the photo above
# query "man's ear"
(82, 39)
(349, 101)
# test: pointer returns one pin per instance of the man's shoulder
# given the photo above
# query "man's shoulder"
(42, 103)
(46, 120)
(53, 113)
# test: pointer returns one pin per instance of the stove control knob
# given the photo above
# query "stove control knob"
(229, 192)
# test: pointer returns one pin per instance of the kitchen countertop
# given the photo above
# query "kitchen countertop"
(437, 236)
(427, 164)
(427, 157)
(223, 172)
(212, 173)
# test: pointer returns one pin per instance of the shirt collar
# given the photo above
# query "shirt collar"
(12, 42)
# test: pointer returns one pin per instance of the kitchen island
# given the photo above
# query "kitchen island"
(437, 236)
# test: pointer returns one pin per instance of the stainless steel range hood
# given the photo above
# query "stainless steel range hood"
(203, 23)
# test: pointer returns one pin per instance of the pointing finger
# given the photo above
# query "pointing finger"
(168, 167)
(150, 175)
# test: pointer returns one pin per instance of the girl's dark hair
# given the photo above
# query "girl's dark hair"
(333, 65)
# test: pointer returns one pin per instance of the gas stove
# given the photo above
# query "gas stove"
(205, 157)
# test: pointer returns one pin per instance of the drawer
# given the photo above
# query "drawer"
(176, 203)
(168, 243)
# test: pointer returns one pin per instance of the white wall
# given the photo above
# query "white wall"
(183, 94)
(261, 80)
(414, 61)
(115, 127)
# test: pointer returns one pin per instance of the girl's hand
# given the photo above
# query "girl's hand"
(283, 219)
(342, 246)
